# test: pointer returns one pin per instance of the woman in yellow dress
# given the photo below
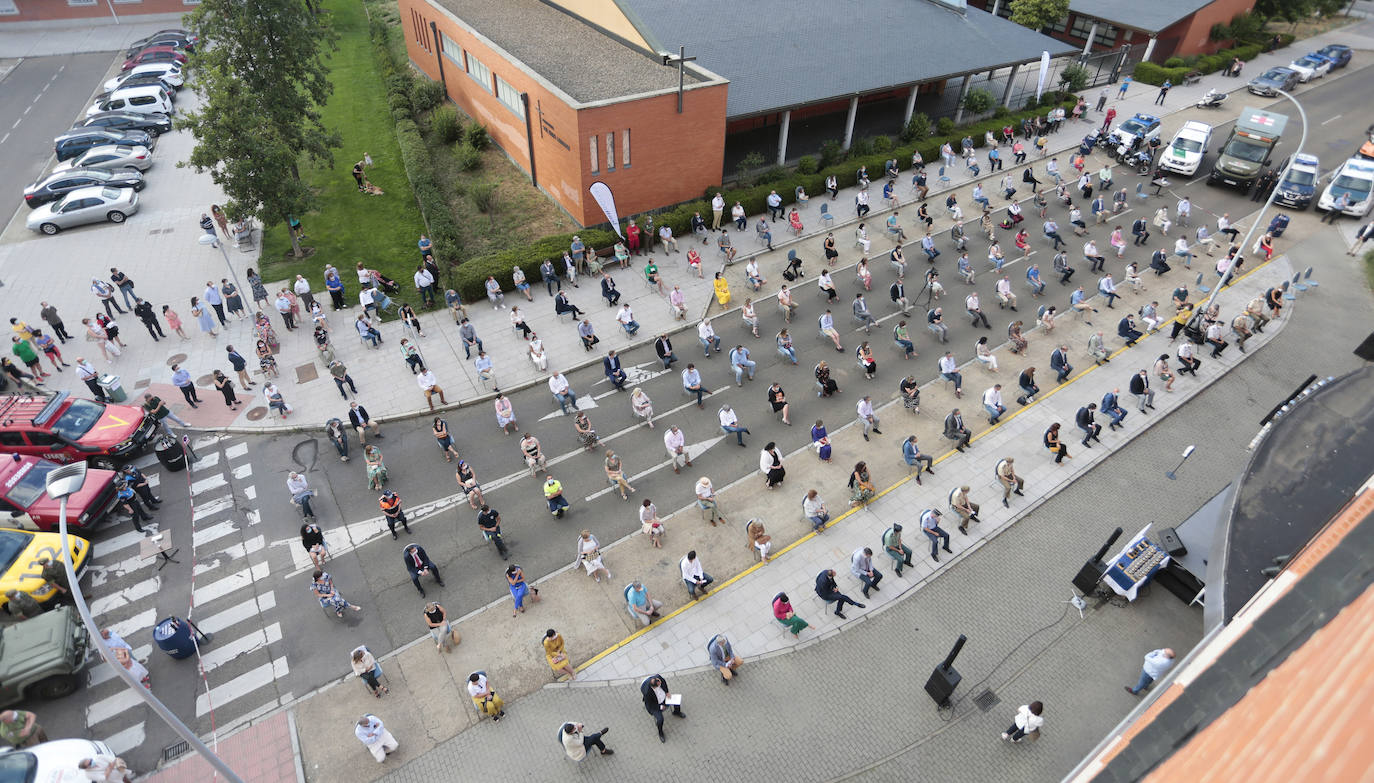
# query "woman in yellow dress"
(556, 655)
(722, 290)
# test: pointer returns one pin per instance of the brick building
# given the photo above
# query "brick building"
(52, 12)
(1165, 28)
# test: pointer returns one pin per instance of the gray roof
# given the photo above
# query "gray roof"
(779, 54)
(574, 57)
(1149, 17)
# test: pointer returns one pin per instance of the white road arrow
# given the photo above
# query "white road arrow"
(583, 404)
(693, 450)
(637, 374)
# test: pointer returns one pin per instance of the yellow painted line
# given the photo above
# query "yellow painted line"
(853, 510)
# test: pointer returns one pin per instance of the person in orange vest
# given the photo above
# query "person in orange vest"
(391, 507)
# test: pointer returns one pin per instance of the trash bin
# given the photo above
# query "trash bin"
(170, 454)
(173, 636)
(113, 391)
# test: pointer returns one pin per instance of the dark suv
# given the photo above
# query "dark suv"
(152, 124)
(52, 187)
(76, 141)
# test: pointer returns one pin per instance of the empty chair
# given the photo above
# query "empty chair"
(825, 214)
(1198, 282)
(1288, 292)
(1307, 278)
(1140, 192)
(944, 179)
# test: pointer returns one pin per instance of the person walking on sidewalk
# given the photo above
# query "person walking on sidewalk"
(105, 293)
(21, 729)
(828, 591)
(657, 697)
(373, 734)
(390, 503)
(1028, 720)
(1157, 662)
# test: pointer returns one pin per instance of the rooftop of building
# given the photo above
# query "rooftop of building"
(573, 56)
(1151, 17)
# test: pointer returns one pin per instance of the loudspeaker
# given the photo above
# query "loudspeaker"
(1085, 581)
(943, 680)
(1168, 538)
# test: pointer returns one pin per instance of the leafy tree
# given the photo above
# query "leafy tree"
(1073, 78)
(979, 101)
(1038, 14)
(1287, 10)
(263, 79)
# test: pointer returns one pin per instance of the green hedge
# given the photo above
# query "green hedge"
(468, 278)
(1150, 73)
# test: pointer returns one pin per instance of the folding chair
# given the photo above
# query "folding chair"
(1289, 292)
(825, 214)
(1307, 278)
(1198, 282)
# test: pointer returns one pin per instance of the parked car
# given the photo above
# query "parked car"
(1145, 126)
(168, 73)
(1273, 80)
(1184, 154)
(1299, 185)
(57, 184)
(1355, 178)
(20, 551)
(113, 156)
(146, 80)
(1339, 54)
(177, 38)
(74, 142)
(153, 124)
(156, 54)
(42, 658)
(65, 429)
(24, 495)
(82, 206)
(1310, 67)
(144, 98)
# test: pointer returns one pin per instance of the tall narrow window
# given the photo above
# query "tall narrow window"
(594, 146)
(610, 151)
(510, 96)
(625, 148)
(479, 72)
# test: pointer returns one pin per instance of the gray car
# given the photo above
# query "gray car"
(84, 205)
(1273, 80)
(109, 156)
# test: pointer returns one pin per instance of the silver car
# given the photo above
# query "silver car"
(110, 156)
(84, 205)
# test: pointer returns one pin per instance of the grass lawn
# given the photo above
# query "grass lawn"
(380, 231)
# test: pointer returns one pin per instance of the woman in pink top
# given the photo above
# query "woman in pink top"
(1118, 241)
(782, 610)
(173, 321)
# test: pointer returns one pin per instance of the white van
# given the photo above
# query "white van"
(144, 99)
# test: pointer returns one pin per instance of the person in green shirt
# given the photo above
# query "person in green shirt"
(55, 574)
(26, 353)
(651, 274)
(21, 729)
(22, 605)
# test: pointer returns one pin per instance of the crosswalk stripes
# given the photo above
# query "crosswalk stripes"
(129, 595)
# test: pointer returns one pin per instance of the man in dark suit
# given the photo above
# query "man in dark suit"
(608, 290)
(418, 564)
(610, 365)
(829, 591)
(357, 416)
(1088, 423)
(1111, 405)
(1126, 330)
(655, 691)
(1140, 387)
(955, 429)
(1059, 362)
(664, 348)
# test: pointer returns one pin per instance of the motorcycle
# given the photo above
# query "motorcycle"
(1140, 160)
(1212, 100)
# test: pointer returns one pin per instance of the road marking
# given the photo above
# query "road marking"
(128, 739)
(138, 622)
(206, 461)
(206, 535)
(250, 492)
(208, 509)
(1333, 119)
(112, 706)
(584, 403)
(239, 612)
(125, 597)
(220, 654)
(154, 480)
(102, 573)
(4, 138)
(146, 461)
(121, 541)
(243, 471)
(241, 686)
(235, 451)
(235, 552)
(207, 593)
(207, 484)
(693, 450)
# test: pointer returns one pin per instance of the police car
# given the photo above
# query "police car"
(1355, 179)
(1145, 126)
(1299, 185)
(1184, 153)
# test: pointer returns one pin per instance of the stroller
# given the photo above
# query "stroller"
(1089, 142)
(1278, 224)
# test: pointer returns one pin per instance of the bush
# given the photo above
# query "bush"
(916, 129)
(746, 166)
(477, 137)
(944, 126)
(861, 148)
(806, 164)
(1149, 73)
(1001, 112)
(1074, 78)
(484, 198)
(425, 94)
(399, 82)
(1220, 32)
(831, 153)
(446, 125)
(467, 157)
(1174, 62)
(882, 143)
(399, 100)
(979, 101)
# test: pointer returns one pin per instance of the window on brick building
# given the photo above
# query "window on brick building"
(479, 72)
(625, 148)
(510, 97)
(81, 2)
(595, 146)
(451, 50)
(610, 151)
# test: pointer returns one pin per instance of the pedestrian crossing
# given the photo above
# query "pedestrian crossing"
(226, 556)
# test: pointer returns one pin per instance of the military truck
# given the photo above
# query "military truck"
(1246, 151)
(40, 658)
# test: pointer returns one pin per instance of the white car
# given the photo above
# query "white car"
(1184, 154)
(1310, 67)
(1355, 179)
(167, 72)
(48, 761)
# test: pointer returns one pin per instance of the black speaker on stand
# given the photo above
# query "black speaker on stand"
(944, 679)
(1091, 573)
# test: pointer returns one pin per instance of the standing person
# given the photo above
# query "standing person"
(155, 407)
(105, 293)
(233, 300)
(657, 697)
(373, 734)
(49, 315)
(173, 321)
(144, 310)
(783, 613)
(1011, 483)
(418, 564)
(260, 291)
(1163, 91)
(576, 744)
(1157, 662)
(213, 298)
(182, 380)
(519, 590)
(556, 654)
(202, 316)
(828, 591)
(390, 503)
(226, 387)
(25, 351)
(1027, 721)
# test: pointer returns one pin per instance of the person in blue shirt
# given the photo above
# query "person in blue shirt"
(1033, 278)
(911, 453)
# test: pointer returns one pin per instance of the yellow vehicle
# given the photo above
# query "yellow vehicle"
(20, 551)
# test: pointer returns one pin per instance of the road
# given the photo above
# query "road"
(272, 641)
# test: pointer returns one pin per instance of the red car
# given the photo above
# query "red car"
(25, 503)
(155, 54)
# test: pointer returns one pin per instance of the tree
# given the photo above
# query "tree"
(1038, 14)
(979, 101)
(1287, 10)
(263, 80)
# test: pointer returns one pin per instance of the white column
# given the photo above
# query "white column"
(910, 104)
(963, 91)
(782, 137)
(996, 6)
(1011, 80)
(1092, 33)
(849, 122)
(1149, 49)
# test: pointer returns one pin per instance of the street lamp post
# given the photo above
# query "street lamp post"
(61, 484)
